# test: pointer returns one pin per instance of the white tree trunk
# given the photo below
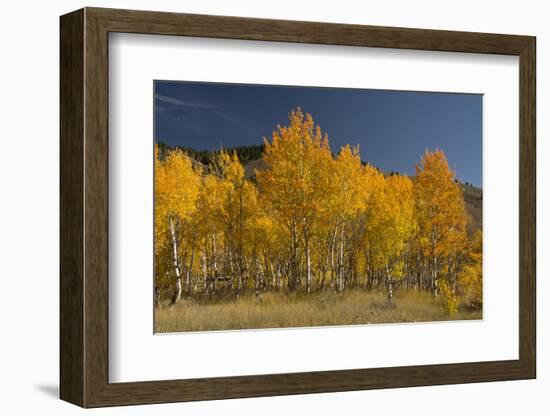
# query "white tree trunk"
(189, 271)
(178, 289)
(308, 268)
(434, 277)
(333, 275)
(341, 263)
(390, 284)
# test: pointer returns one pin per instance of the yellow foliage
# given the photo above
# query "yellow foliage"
(177, 186)
(390, 223)
(298, 174)
(440, 209)
(313, 217)
(470, 280)
(450, 299)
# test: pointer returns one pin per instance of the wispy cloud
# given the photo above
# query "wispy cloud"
(181, 103)
(177, 108)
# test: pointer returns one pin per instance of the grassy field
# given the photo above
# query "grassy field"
(319, 309)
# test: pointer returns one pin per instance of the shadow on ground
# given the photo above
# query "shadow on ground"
(51, 390)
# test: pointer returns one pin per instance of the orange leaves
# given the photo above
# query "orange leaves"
(470, 280)
(229, 168)
(349, 184)
(298, 174)
(177, 186)
(440, 209)
(313, 217)
(390, 222)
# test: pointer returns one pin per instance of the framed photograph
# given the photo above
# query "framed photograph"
(255, 207)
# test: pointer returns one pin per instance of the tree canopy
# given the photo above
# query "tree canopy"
(311, 220)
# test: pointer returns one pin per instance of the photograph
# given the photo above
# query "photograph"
(286, 204)
(279, 206)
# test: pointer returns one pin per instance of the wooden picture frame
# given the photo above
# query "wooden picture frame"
(84, 207)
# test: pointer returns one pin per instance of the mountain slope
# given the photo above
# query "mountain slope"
(473, 198)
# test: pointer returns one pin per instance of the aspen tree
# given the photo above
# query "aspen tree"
(440, 213)
(177, 186)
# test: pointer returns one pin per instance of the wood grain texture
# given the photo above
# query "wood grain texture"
(527, 208)
(96, 220)
(84, 207)
(162, 23)
(71, 208)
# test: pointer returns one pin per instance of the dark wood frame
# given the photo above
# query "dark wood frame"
(84, 207)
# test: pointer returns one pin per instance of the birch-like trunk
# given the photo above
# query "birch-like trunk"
(293, 280)
(308, 267)
(178, 287)
(389, 278)
(434, 264)
(259, 279)
(204, 268)
(434, 276)
(341, 263)
(190, 270)
(214, 267)
(333, 277)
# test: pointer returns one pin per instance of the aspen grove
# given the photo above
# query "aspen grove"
(311, 221)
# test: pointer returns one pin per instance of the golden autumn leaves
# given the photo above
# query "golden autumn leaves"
(311, 221)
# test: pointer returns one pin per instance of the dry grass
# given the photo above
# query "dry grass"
(320, 309)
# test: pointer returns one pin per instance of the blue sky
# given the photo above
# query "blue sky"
(392, 128)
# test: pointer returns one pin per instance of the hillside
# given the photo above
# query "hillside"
(473, 197)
